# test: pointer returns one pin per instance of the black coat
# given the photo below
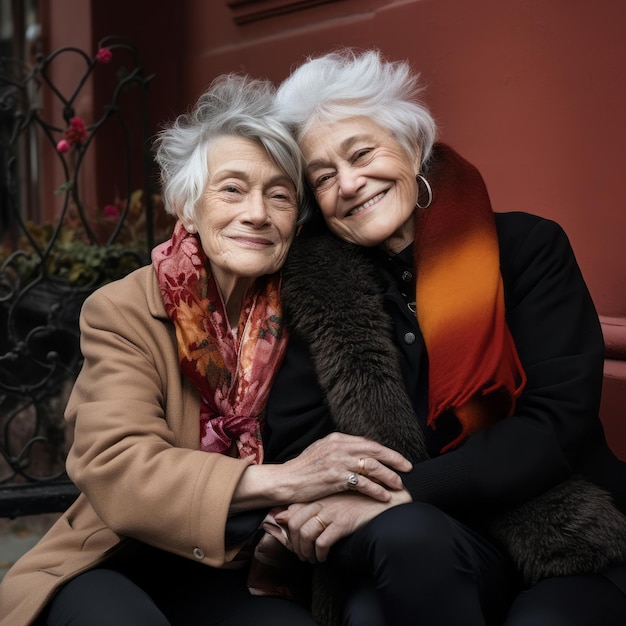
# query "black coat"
(364, 371)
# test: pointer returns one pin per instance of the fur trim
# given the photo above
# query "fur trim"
(342, 342)
(573, 528)
(326, 318)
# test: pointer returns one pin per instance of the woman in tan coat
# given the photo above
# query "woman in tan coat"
(167, 412)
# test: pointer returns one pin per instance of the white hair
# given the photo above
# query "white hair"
(347, 83)
(233, 105)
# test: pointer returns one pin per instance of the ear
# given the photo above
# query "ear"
(417, 163)
(187, 222)
(188, 225)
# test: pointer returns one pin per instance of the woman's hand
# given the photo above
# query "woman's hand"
(340, 462)
(335, 464)
(315, 527)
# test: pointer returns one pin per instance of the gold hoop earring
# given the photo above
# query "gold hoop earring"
(419, 178)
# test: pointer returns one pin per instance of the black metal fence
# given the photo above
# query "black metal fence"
(93, 178)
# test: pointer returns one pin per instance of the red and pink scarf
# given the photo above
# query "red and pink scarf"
(232, 371)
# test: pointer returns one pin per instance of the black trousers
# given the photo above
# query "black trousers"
(411, 565)
(416, 565)
(149, 587)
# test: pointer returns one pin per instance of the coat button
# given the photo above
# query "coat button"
(409, 338)
(406, 276)
(198, 553)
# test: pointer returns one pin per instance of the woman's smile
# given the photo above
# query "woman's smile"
(247, 216)
(248, 241)
(358, 169)
(366, 205)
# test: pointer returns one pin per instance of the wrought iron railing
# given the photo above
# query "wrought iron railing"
(49, 156)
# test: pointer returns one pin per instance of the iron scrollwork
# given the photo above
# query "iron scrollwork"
(48, 267)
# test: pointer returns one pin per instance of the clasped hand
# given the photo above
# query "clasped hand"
(363, 476)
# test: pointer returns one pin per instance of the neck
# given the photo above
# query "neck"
(233, 294)
(401, 238)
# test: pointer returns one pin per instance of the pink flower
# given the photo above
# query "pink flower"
(77, 131)
(103, 55)
(63, 146)
(111, 213)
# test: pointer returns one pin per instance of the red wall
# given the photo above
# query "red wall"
(532, 91)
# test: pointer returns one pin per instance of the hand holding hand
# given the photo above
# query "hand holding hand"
(335, 464)
(340, 462)
(315, 527)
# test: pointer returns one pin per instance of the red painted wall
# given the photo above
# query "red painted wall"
(532, 91)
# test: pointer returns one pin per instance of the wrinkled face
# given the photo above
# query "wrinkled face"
(248, 212)
(363, 180)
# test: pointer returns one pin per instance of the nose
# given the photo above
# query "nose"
(349, 181)
(256, 211)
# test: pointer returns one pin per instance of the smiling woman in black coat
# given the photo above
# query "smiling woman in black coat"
(464, 339)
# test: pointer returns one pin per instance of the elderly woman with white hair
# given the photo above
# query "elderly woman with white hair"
(464, 339)
(167, 413)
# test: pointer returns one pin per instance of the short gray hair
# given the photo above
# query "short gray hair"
(234, 105)
(347, 83)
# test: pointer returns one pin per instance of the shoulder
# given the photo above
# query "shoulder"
(129, 287)
(131, 307)
(137, 292)
(531, 244)
(515, 229)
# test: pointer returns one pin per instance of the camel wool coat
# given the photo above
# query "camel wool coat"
(135, 420)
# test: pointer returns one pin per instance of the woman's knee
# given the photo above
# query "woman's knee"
(363, 607)
(101, 597)
(409, 531)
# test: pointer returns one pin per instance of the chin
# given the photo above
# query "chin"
(373, 239)
(257, 272)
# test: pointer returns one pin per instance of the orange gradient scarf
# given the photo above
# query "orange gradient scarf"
(474, 368)
(232, 372)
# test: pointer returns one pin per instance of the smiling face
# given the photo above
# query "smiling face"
(247, 217)
(363, 180)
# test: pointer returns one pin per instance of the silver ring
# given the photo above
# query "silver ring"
(353, 481)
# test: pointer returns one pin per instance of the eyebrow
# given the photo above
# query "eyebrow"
(278, 179)
(281, 179)
(344, 147)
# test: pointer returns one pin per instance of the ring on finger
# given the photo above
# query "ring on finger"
(353, 481)
(361, 469)
(322, 523)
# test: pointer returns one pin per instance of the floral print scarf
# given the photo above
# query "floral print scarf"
(232, 371)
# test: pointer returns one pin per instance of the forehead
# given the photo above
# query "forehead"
(324, 139)
(234, 154)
